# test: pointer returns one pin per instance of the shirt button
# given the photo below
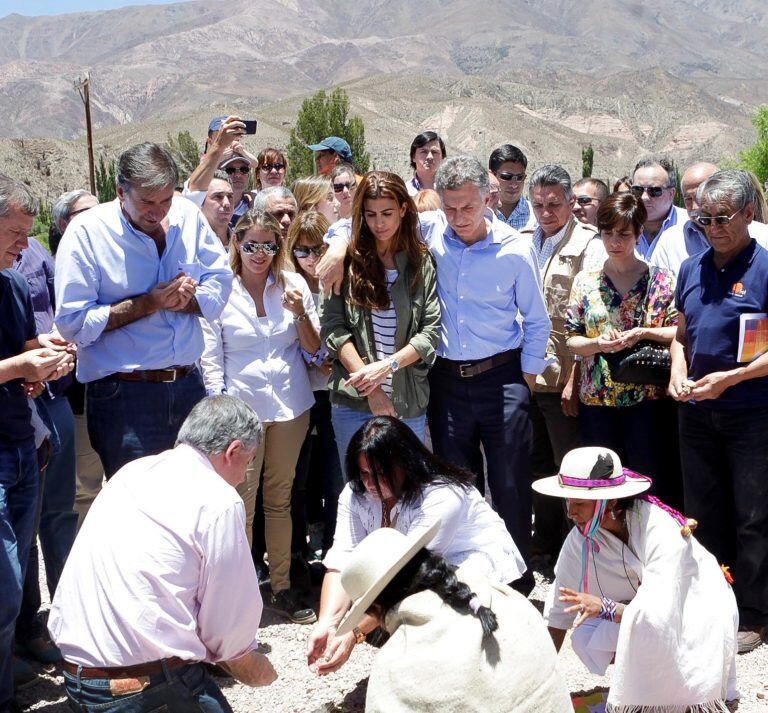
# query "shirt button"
(461, 321)
(461, 297)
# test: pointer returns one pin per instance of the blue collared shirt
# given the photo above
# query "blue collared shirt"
(103, 260)
(646, 247)
(521, 217)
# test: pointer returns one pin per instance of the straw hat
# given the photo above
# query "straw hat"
(592, 473)
(374, 564)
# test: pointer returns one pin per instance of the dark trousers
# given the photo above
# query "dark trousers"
(554, 434)
(132, 419)
(725, 474)
(489, 410)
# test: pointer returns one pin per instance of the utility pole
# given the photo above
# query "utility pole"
(83, 89)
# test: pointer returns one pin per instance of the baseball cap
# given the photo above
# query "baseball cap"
(216, 123)
(233, 158)
(334, 143)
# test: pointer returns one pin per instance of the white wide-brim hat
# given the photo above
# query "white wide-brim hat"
(592, 473)
(374, 564)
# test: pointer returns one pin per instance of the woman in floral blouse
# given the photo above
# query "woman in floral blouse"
(610, 310)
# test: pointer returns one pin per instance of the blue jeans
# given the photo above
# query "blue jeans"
(133, 419)
(18, 505)
(346, 422)
(188, 689)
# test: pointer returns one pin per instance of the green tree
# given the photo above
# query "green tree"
(42, 223)
(185, 151)
(755, 158)
(587, 161)
(325, 115)
(106, 172)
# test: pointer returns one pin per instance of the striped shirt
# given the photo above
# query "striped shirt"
(384, 323)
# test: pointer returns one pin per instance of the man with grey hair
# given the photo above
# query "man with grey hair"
(722, 386)
(280, 203)
(161, 579)
(66, 207)
(564, 247)
(133, 277)
(493, 338)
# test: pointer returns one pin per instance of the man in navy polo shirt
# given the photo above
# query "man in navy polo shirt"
(724, 414)
(23, 359)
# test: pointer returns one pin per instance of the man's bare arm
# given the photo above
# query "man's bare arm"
(128, 311)
(252, 669)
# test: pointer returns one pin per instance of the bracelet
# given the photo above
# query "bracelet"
(607, 609)
(303, 317)
(359, 635)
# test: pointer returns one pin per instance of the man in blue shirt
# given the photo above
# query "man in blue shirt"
(724, 404)
(133, 278)
(508, 163)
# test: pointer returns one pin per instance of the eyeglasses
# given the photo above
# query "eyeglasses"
(251, 248)
(584, 200)
(339, 187)
(507, 176)
(268, 167)
(237, 169)
(278, 215)
(716, 219)
(652, 191)
(303, 252)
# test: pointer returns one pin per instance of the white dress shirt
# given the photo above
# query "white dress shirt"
(258, 359)
(160, 568)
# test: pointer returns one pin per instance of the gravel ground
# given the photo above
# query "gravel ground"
(299, 691)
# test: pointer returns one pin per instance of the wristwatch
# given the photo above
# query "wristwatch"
(301, 318)
(359, 635)
(394, 365)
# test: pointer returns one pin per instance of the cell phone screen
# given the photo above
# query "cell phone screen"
(250, 126)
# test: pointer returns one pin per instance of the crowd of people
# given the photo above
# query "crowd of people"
(229, 387)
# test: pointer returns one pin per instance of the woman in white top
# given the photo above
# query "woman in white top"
(395, 481)
(254, 351)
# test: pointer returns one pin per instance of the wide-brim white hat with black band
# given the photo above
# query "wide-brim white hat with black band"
(374, 564)
(592, 473)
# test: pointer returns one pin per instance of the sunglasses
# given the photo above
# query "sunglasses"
(251, 248)
(304, 252)
(584, 200)
(339, 187)
(716, 219)
(267, 167)
(237, 169)
(652, 191)
(278, 215)
(507, 176)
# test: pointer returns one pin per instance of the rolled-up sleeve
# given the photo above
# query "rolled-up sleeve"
(334, 330)
(532, 308)
(212, 359)
(425, 341)
(215, 281)
(350, 531)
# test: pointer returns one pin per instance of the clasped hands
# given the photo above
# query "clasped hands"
(615, 340)
(173, 295)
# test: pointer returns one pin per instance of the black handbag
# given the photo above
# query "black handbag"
(646, 363)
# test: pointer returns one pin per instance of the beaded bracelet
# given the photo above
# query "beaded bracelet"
(607, 609)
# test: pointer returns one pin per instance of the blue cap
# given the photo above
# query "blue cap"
(216, 123)
(334, 143)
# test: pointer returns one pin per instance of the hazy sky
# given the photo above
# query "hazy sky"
(56, 7)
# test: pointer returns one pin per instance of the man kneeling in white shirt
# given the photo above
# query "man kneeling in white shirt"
(160, 579)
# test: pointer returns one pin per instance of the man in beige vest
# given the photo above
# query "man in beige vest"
(564, 247)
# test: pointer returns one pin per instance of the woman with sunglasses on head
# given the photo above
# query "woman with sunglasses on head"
(254, 351)
(316, 193)
(344, 185)
(271, 167)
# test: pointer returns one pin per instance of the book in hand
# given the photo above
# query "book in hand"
(753, 336)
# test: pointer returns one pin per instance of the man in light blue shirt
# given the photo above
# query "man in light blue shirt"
(133, 278)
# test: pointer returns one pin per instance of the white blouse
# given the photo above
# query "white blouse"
(471, 533)
(258, 359)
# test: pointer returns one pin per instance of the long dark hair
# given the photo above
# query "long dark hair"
(367, 281)
(391, 447)
(428, 570)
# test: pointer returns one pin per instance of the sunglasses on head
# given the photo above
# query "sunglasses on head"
(339, 187)
(507, 176)
(652, 191)
(584, 200)
(302, 251)
(706, 220)
(273, 167)
(251, 248)
(237, 169)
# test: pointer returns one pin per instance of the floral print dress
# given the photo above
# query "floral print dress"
(596, 306)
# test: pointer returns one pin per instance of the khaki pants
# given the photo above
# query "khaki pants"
(90, 473)
(278, 452)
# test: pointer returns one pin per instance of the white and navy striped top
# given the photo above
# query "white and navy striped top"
(384, 323)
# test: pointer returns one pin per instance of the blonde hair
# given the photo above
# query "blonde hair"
(261, 220)
(310, 225)
(427, 199)
(311, 191)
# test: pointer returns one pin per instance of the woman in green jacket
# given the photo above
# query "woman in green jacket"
(382, 330)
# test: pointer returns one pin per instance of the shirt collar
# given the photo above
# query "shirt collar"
(494, 234)
(539, 239)
(745, 257)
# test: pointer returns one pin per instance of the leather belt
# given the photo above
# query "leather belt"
(153, 668)
(154, 375)
(467, 369)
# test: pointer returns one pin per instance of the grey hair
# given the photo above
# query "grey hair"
(216, 421)
(64, 204)
(14, 194)
(456, 171)
(665, 163)
(277, 192)
(551, 175)
(222, 176)
(146, 165)
(732, 186)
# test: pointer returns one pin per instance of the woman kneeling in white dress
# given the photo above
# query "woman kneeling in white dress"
(642, 590)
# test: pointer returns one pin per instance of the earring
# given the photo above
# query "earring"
(613, 514)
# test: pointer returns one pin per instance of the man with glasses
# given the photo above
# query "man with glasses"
(508, 163)
(724, 399)
(588, 194)
(280, 203)
(329, 152)
(654, 182)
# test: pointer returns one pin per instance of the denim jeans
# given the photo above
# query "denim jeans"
(725, 473)
(132, 419)
(18, 504)
(188, 689)
(346, 422)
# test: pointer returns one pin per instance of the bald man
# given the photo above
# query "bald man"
(687, 238)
